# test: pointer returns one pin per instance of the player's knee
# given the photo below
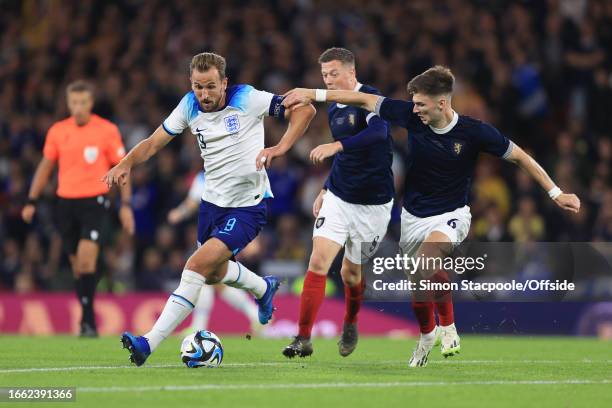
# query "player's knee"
(202, 267)
(81, 266)
(351, 279)
(319, 264)
(213, 277)
(350, 276)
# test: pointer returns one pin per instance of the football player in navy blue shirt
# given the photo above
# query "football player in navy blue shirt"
(443, 149)
(354, 205)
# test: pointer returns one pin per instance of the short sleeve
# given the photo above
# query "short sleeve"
(394, 111)
(266, 103)
(491, 141)
(115, 150)
(179, 119)
(50, 149)
(197, 187)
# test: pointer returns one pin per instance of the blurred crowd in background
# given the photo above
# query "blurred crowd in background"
(538, 70)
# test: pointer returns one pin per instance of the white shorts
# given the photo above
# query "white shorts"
(454, 224)
(350, 225)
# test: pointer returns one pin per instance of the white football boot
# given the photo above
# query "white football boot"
(424, 346)
(449, 341)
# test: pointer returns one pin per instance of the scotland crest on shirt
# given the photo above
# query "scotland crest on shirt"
(232, 124)
(457, 148)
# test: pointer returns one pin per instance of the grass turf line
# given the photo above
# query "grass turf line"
(490, 371)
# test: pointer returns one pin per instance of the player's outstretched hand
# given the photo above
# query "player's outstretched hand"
(175, 216)
(322, 152)
(126, 216)
(318, 202)
(569, 202)
(27, 213)
(120, 174)
(298, 97)
(264, 158)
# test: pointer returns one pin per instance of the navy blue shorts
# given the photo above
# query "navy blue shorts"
(235, 227)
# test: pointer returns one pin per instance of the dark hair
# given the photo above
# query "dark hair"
(438, 80)
(80, 86)
(207, 60)
(337, 54)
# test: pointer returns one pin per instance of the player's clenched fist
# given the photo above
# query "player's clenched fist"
(316, 206)
(27, 213)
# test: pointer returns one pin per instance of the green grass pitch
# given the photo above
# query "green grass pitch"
(489, 372)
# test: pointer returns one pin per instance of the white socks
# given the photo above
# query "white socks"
(431, 336)
(238, 276)
(451, 327)
(190, 292)
(240, 301)
(178, 307)
(201, 312)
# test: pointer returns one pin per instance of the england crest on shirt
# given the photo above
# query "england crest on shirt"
(232, 124)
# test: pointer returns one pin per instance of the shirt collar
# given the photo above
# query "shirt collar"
(448, 127)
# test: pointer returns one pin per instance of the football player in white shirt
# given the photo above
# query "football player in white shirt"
(228, 124)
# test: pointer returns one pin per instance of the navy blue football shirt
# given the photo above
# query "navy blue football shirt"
(361, 173)
(441, 162)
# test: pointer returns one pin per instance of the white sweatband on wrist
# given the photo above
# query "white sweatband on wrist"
(554, 192)
(320, 95)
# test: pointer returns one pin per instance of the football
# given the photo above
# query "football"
(202, 349)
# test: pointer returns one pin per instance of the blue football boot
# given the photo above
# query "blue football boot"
(265, 303)
(138, 347)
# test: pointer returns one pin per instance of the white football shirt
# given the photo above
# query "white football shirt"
(197, 187)
(229, 141)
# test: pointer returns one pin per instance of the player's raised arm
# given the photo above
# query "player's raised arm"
(301, 96)
(299, 119)
(375, 132)
(569, 202)
(140, 153)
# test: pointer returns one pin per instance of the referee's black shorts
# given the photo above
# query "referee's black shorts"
(81, 218)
